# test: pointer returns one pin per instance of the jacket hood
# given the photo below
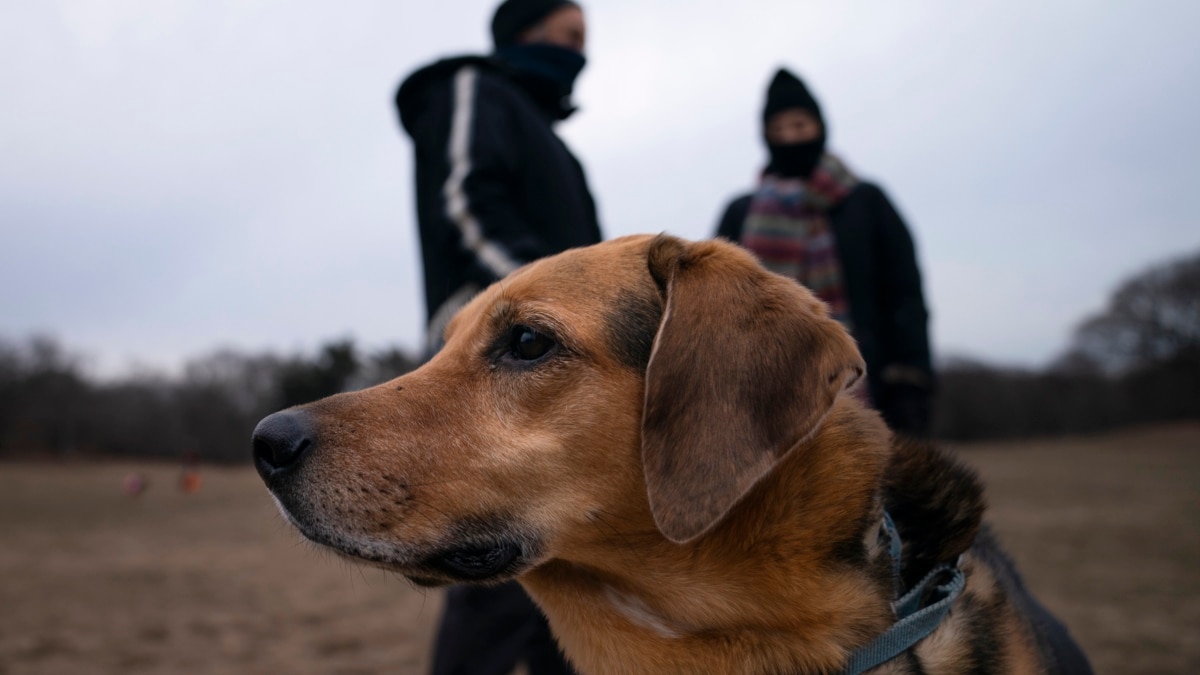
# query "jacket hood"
(410, 97)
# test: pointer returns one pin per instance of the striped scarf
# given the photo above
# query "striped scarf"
(787, 227)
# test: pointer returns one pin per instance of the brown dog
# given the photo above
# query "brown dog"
(656, 438)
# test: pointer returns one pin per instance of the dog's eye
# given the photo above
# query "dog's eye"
(529, 345)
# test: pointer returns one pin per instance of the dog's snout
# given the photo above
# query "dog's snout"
(280, 441)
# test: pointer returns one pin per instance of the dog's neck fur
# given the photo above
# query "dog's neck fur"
(668, 600)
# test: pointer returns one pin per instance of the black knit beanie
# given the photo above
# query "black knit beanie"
(787, 91)
(514, 17)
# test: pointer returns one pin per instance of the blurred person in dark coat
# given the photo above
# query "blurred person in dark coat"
(812, 219)
(497, 188)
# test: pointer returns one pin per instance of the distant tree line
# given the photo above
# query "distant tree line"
(50, 408)
(1136, 362)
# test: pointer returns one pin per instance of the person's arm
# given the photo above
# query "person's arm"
(734, 218)
(469, 147)
(907, 374)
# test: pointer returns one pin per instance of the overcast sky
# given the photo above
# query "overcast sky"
(182, 175)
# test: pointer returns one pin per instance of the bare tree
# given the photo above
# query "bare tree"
(304, 380)
(1152, 317)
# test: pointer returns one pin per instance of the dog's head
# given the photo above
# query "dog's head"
(647, 381)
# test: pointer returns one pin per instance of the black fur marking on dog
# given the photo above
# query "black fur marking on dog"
(937, 504)
(983, 621)
(631, 326)
(914, 664)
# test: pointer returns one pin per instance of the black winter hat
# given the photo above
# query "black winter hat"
(514, 17)
(788, 91)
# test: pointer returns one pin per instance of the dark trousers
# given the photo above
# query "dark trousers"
(489, 630)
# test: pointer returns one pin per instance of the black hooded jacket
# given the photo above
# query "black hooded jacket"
(496, 187)
(887, 306)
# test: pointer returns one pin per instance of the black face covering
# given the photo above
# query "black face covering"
(796, 160)
(546, 72)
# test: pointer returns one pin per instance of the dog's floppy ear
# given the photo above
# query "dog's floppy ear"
(746, 364)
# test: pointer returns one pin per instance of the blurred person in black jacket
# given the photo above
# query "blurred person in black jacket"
(812, 219)
(497, 188)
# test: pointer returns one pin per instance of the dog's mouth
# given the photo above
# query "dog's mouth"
(472, 564)
(456, 565)
(491, 551)
(477, 563)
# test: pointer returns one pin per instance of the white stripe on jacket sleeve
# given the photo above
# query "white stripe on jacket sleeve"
(493, 256)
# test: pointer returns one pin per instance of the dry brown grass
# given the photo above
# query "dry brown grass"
(92, 581)
(1105, 529)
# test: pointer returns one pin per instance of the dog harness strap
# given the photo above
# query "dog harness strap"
(914, 622)
(895, 550)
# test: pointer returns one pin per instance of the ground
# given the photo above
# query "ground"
(1104, 529)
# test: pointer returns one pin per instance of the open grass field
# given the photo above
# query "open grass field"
(1105, 528)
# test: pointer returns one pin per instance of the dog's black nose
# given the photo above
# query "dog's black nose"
(280, 440)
